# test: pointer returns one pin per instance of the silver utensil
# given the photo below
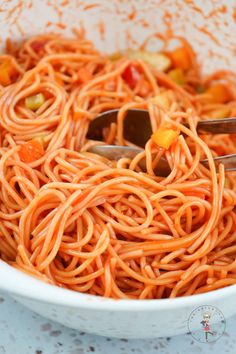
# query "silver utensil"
(137, 129)
(115, 152)
(137, 126)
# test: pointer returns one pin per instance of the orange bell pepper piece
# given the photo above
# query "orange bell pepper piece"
(218, 93)
(6, 70)
(59, 80)
(84, 75)
(31, 151)
(180, 58)
(164, 137)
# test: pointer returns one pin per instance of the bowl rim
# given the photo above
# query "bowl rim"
(19, 284)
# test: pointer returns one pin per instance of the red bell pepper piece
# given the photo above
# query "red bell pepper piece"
(131, 75)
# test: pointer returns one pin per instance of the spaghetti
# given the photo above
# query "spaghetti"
(107, 228)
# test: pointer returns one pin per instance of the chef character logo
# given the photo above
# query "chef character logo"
(206, 324)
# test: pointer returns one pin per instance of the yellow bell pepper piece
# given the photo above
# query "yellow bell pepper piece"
(159, 61)
(177, 75)
(164, 137)
(39, 139)
(162, 100)
(35, 102)
(115, 56)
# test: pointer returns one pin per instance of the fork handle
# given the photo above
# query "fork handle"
(229, 161)
(217, 126)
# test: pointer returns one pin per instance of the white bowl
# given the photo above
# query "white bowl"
(107, 317)
(115, 25)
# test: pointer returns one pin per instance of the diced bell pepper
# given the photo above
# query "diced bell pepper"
(164, 137)
(34, 102)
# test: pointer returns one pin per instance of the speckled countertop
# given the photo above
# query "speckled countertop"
(24, 332)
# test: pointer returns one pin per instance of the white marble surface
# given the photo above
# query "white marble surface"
(24, 332)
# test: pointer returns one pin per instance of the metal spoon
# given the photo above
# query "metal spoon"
(137, 126)
(137, 129)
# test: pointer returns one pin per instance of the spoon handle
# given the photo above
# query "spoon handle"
(217, 126)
